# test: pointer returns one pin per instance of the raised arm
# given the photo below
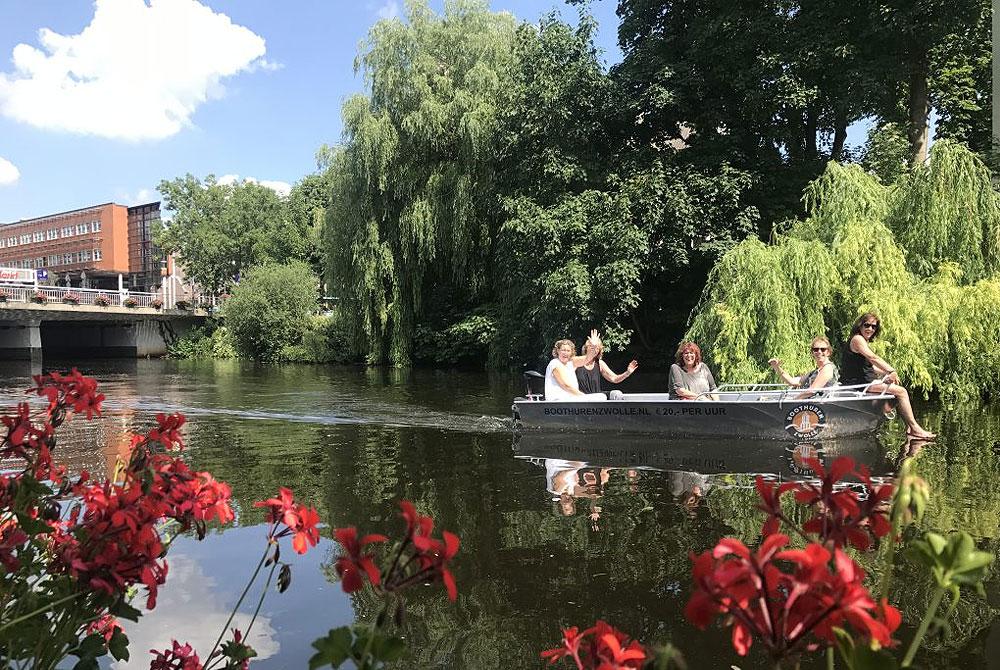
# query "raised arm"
(775, 364)
(859, 345)
(614, 378)
(595, 351)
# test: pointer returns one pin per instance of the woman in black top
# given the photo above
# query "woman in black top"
(861, 365)
(589, 376)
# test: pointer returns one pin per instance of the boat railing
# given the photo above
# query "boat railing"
(782, 392)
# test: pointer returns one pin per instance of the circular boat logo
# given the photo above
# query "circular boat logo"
(801, 454)
(805, 421)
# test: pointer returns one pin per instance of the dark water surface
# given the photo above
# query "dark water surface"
(555, 530)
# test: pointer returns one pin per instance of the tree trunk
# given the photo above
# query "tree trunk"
(839, 133)
(810, 139)
(919, 111)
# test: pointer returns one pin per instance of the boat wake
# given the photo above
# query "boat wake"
(380, 414)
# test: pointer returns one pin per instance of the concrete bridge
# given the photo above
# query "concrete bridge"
(59, 322)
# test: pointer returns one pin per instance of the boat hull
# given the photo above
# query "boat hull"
(778, 419)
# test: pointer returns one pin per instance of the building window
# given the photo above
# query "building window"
(25, 239)
(97, 254)
(54, 260)
(11, 241)
(51, 234)
(39, 262)
(67, 259)
(67, 231)
(95, 226)
(3, 242)
(81, 228)
(38, 237)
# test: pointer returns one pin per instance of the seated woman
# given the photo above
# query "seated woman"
(589, 375)
(861, 365)
(560, 375)
(823, 375)
(690, 378)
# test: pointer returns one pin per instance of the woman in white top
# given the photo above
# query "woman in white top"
(560, 376)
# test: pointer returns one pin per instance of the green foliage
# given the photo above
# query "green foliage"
(572, 265)
(948, 211)
(886, 153)
(219, 231)
(465, 341)
(202, 342)
(365, 646)
(323, 341)
(269, 309)
(922, 254)
(413, 203)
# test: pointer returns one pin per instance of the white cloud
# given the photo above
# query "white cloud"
(9, 174)
(280, 187)
(187, 610)
(389, 10)
(136, 72)
(141, 197)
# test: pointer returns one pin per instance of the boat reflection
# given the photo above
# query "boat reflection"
(705, 457)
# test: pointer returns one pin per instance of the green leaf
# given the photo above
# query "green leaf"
(333, 649)
(123, 610)
(118, 645)
(387, 648)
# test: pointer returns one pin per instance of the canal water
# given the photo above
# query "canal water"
(555, 531)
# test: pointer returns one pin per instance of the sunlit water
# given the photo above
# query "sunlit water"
(556, 530)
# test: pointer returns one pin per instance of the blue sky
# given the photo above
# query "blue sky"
(230, 87)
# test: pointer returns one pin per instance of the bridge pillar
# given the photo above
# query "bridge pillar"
(20, 341)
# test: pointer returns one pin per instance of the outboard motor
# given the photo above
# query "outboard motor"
(529, 376)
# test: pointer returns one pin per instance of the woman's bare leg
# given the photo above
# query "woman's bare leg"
(904, 407)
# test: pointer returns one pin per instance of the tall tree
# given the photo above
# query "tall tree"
(218, 231)
(929, 46)
(414, 209)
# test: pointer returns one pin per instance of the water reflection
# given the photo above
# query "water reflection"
(556, 530)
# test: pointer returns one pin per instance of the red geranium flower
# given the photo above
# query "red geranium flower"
(297, 519)
(180, 657)
(788, 610)
(601, 647)
(352, 566)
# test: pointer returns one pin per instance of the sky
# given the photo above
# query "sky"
(99, 101)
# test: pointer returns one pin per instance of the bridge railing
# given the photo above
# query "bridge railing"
(81, 296)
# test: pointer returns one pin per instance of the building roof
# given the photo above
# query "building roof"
(73, 211)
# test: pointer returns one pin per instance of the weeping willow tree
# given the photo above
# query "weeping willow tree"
(924, 253)
(414, 208)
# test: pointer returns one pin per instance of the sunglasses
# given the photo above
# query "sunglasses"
(869, 325)
(817, 349)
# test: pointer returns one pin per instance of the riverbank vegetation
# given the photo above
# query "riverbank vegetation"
(497, 186)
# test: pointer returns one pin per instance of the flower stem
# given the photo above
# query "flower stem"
(887, 566)
(924, 624)
(52, 604)
(829, 658)
(239, 602)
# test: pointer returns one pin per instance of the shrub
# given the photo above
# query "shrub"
(40, 297)
(130, 302)
(269, 309)
(4, 296)
(209, 341)
(324, 341)
(102, 300)
(156, 303)
(182, 304)
(71, 298)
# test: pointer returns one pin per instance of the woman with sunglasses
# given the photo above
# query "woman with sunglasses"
(861, 365)
(823, 375)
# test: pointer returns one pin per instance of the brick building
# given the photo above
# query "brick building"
(92, 245)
